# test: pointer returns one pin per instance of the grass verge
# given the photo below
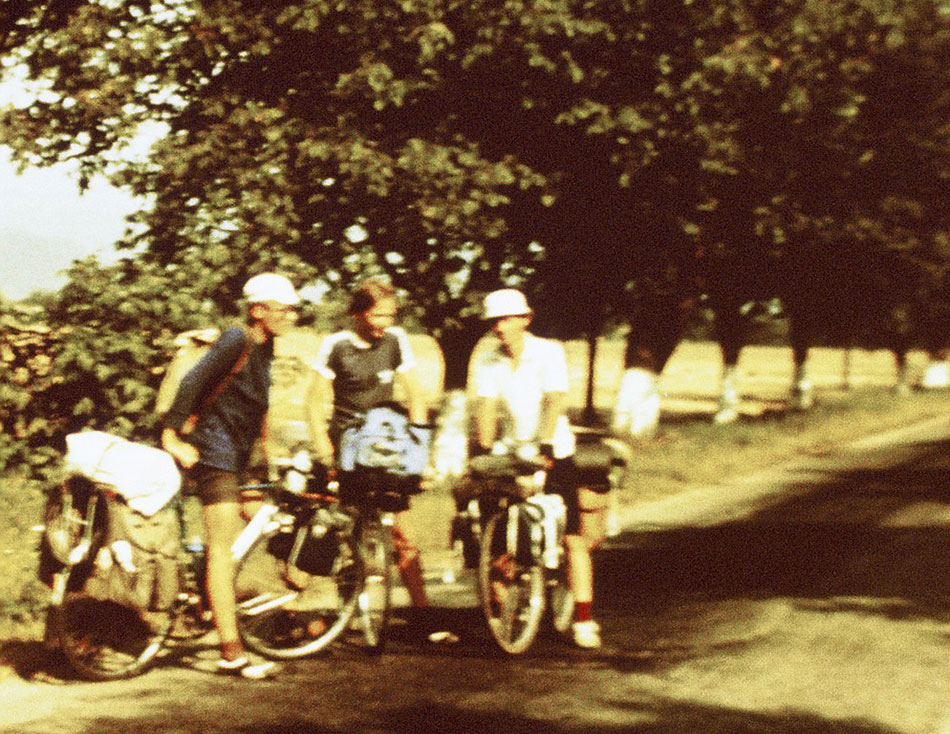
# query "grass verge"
(689, 450)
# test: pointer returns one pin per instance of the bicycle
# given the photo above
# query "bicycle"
(519, 553)
(304, 566)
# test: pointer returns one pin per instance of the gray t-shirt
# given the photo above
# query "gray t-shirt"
(362, 372)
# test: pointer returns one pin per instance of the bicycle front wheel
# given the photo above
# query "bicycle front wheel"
(290, 610)
(375, 547)
(104, 640)
(560, 601)
(510, 582)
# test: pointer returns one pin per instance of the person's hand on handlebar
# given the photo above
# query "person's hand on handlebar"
(546, 455)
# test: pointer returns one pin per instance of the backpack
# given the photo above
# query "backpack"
(387, 442)
(191, 346)
(136, 564)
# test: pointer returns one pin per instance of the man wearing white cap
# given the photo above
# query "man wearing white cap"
(524, 381)
(211, 428)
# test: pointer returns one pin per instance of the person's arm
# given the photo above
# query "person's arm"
(485, 396)
(486, 422)
(554, 395)
(181, 451)
(320, 399)
(319, 409)
(553, 406)
(406, 373)
(415, 401)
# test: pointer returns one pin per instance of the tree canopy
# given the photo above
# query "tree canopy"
(595, 151)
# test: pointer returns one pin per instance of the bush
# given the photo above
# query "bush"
(92, 358)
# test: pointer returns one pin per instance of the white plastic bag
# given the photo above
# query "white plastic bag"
(146, 477)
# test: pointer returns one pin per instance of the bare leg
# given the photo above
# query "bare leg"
(408, 560)
(580, 569)
(222, 523)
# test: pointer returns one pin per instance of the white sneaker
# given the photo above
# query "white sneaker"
(586, 634)
(259, 671)
(243, 667)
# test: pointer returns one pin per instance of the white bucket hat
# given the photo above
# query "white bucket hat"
(506, 302)
(271, 287)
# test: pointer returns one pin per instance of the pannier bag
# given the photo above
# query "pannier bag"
(137, 563)
(386, 441)
(315, 554)
(599, 462)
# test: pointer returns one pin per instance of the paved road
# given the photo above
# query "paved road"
(812, 598)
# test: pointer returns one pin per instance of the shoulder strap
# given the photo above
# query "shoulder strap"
(215, 393)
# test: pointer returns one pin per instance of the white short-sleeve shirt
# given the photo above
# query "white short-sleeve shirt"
(521, 388)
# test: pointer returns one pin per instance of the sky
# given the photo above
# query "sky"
(45, 224)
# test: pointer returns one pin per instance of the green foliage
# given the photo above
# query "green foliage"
(603, 154)
(94, 357)
(595, 152)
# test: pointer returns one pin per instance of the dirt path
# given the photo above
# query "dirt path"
(812, 598)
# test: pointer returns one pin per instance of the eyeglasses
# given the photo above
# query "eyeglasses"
(286, 310)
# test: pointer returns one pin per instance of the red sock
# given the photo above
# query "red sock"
(582, 611)
(232, 649)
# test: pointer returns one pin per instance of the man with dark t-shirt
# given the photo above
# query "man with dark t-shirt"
(354, 370)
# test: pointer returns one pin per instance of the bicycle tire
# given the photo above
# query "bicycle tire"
(375, 547)
(510, 585)
(560, 602)
(283, 611)
(103, 640)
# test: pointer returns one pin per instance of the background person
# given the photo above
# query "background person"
(217, 448)
(357, 369)
(521, 385)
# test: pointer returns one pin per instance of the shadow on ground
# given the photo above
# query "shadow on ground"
(638, 717)
(875, 541)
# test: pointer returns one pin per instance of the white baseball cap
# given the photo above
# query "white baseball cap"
(271, 287)
(505, 302)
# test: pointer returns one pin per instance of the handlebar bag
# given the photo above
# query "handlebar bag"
(386, 441)
(594, 461)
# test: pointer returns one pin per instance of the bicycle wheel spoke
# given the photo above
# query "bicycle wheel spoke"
(265, 603)
(103, 640)
(376, 551)
(561, 603)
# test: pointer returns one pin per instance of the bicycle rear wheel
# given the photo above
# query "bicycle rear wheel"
(105, 640)
(375, 544)
(285, 611)
(510, 582)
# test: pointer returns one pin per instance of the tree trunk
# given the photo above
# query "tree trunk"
(457, 346)
(589, 417)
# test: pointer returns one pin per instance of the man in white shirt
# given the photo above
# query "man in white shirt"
(520, 387)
